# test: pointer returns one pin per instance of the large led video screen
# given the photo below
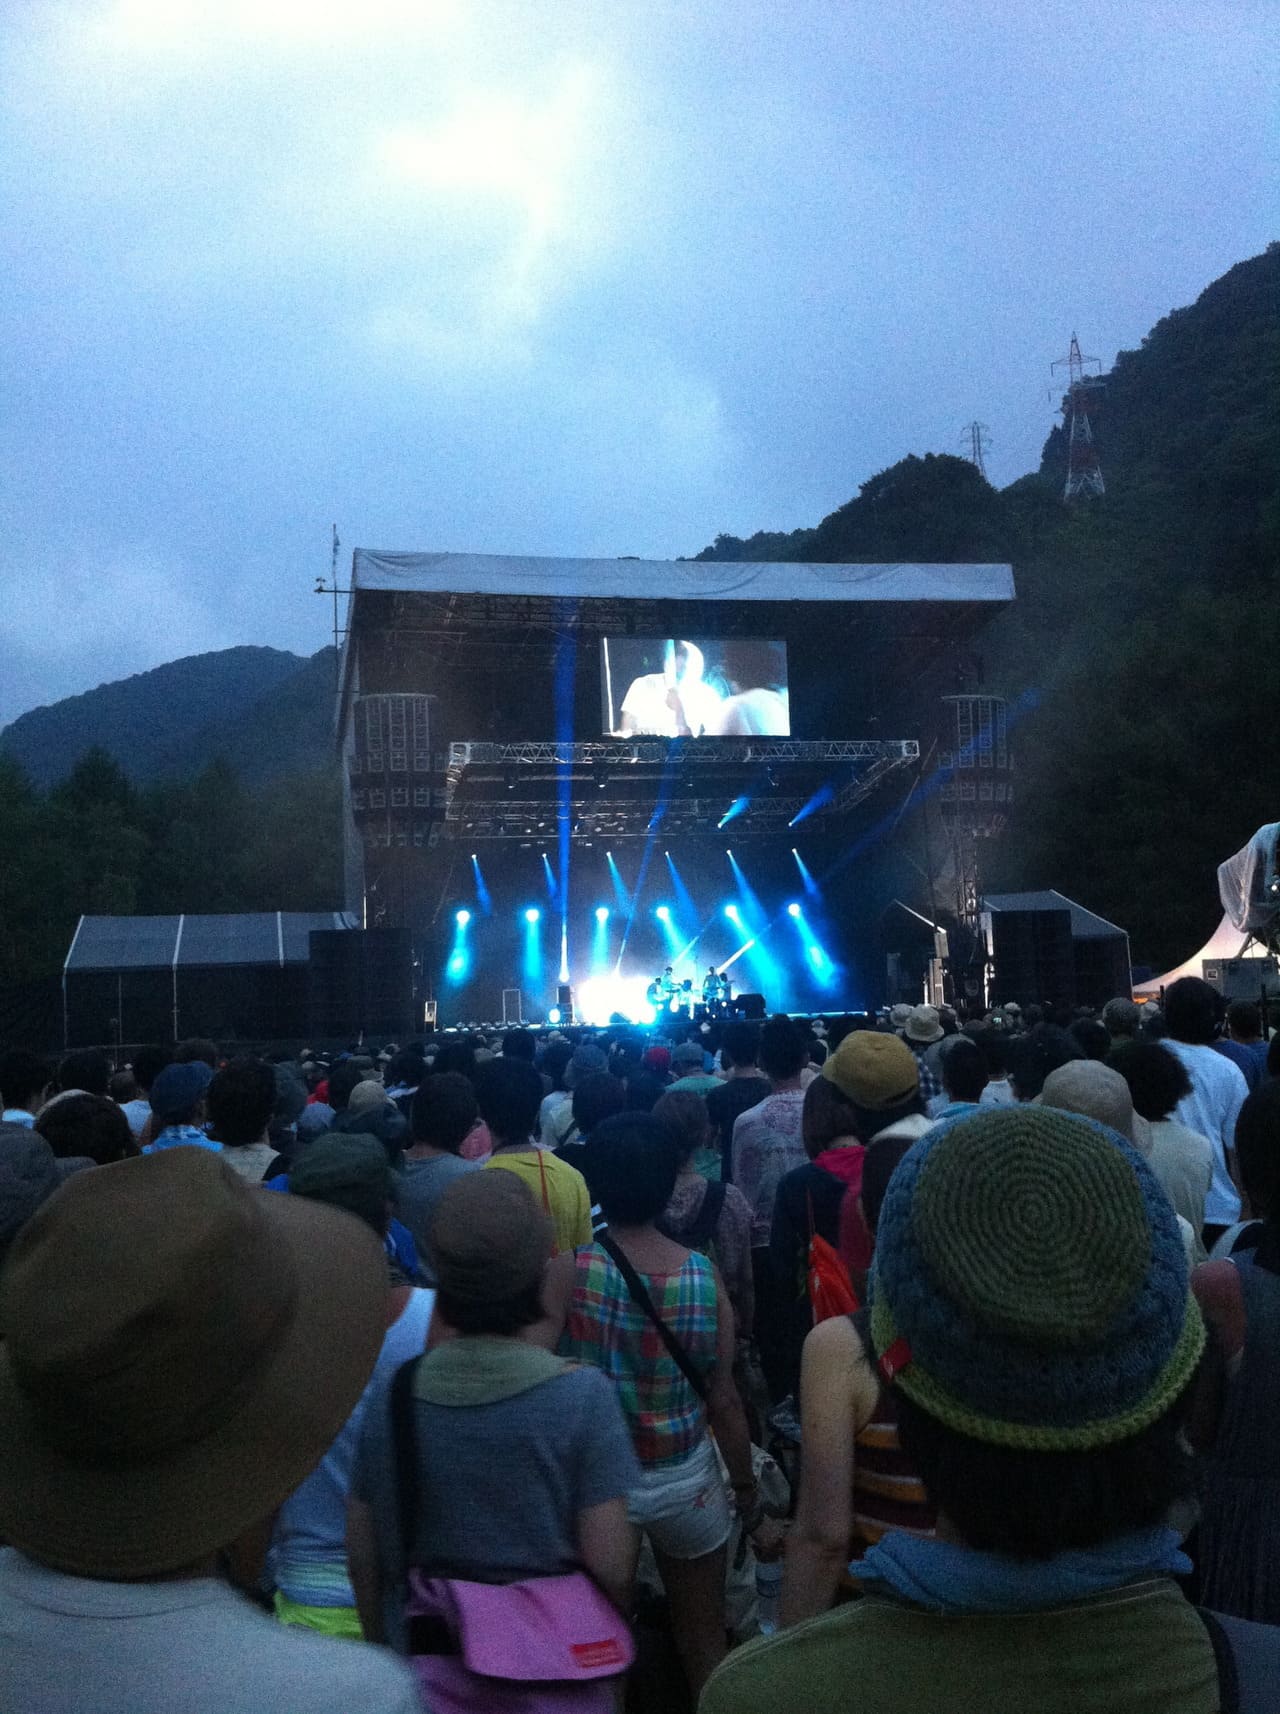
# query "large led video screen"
(682, 687)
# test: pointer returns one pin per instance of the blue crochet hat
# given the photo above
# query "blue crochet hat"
(1030, 1284)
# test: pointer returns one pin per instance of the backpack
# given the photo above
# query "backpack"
(830, 1289)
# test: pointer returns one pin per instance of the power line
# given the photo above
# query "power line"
(976, 438)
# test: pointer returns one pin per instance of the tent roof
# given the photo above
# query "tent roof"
(1226, 941)
(1085, 924)
(154, 943)
(676, 580)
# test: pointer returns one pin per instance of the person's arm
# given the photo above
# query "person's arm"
(724, 1407)
(364, 1570)
(608, 1546)
(838, 1395)
(557, 1294)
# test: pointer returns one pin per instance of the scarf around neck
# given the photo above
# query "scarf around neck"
(944, 1577)
(481, 1370)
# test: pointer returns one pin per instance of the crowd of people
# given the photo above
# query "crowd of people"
(515, 1371)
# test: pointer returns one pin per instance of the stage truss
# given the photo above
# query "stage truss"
(632, 787)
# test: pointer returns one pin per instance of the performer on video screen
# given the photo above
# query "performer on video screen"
(674, 703)
(757, 702)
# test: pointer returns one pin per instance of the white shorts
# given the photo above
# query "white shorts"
(683, 1508)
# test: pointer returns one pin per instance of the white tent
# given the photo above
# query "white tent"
(1225, 942)
(1245, 886)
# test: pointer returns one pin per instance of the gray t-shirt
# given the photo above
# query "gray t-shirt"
(417, 1193)
(500, 1485)
(71, 1643)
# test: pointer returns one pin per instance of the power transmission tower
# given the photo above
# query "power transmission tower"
(976, 437)
(1084, 473)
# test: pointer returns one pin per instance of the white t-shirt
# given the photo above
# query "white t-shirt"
(759, 712)
(1218, 1090)
(646, 703)
(68, 1644)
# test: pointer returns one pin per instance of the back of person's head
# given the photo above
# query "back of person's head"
(783, 1050)
(879, 1076)
(555, 1061)
(1157, 1078)
(631, 1165)
(993, 1045)
(197, 1047)
(88, 1069)
(444, 1111)
(1191, 1011)
(643, 1091)
(684, 1112)
(1034, 1055)
(686, 1061)
(406, 1069)
(489, 1242)
(964, 1070)
(510, 1093)
(1244, 1020)
(87, 1126)
(827, 1115)
(1258, 1149)
(595, 1098)
(178, 1092)
(519, 1044)
(1092, 1038)
(588, 1061)
(148, 1062)
(454, 1054)
(1121, 1017)
(240, 1101)
(122, 1087)
(1047, 1338)
(24, 1077)
(351, 1172)
(342, 1080)
(740, 1045)
(1095, 1091)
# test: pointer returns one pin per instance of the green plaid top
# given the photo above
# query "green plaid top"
(605, 1328)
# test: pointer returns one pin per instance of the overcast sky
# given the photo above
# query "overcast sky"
(555, 277)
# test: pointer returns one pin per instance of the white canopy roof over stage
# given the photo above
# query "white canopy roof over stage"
(674, 579)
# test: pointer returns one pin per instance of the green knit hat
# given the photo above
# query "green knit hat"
(1030, 1284)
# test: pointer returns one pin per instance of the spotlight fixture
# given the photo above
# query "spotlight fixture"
(602, 913)
(663, 914)
(532, 915)
(731, 911)
(462, 918)
(793, 910)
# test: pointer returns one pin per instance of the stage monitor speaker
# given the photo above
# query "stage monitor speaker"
(564, 1000)
(361, 982)
(1033, 957)
(750, 1006)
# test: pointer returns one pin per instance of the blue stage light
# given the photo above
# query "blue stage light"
(793, 910)
(663, 914)
(553, 1016)
(457, 964)
(602, 913)
(532, 915)
(732, 912)
(462, 918)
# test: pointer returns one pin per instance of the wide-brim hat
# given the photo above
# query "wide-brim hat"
(873, 1070)
(924, 1026)
(180, 1349)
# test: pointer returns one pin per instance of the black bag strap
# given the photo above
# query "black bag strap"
(1224, 1655)
(640, 1297)
(404, 1456)
(703, 1229)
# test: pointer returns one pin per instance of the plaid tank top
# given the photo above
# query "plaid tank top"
(606, 1329)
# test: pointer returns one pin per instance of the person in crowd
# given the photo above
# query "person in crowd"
(964, 1078)
(1092, 1037)
(611, 1297)
(995, 1047)
(442, 1116)
(655, 1062)
(1238, 1547)
(239, 1101)
(145, 1424)
(1180, 1158)
(178, 1108)
(809, 1201)
(688, 1062)
(556, 1123)
(1244, 1031)
(1218, 1089)
(29, 1174)
(922, 1032)
(856, 1483)
(86, 1127)
(768, 1142)
(147, 1063)
(596, 1098)
(1048, 1438)
(741, 1087)
(197, 1050)
(24, 1086)
(553, 1062)
(405, 1071)
(308, 1559)
(1122, 1019)
(539, 1459)
(1034, 1055)
(509, 1091)
(704, 1214)
(290, 1104)
(122, 1089)
(368, 1111)
(87, 1069)
(644, 1090)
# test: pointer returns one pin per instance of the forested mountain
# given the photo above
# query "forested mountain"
(264, 709)
(1140, 648)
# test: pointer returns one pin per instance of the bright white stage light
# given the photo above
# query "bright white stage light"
(793, 910)
(462, 918)
(602, 913)
(663, 914)
(532, 915)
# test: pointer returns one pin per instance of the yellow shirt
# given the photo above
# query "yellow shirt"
(557, 1187)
